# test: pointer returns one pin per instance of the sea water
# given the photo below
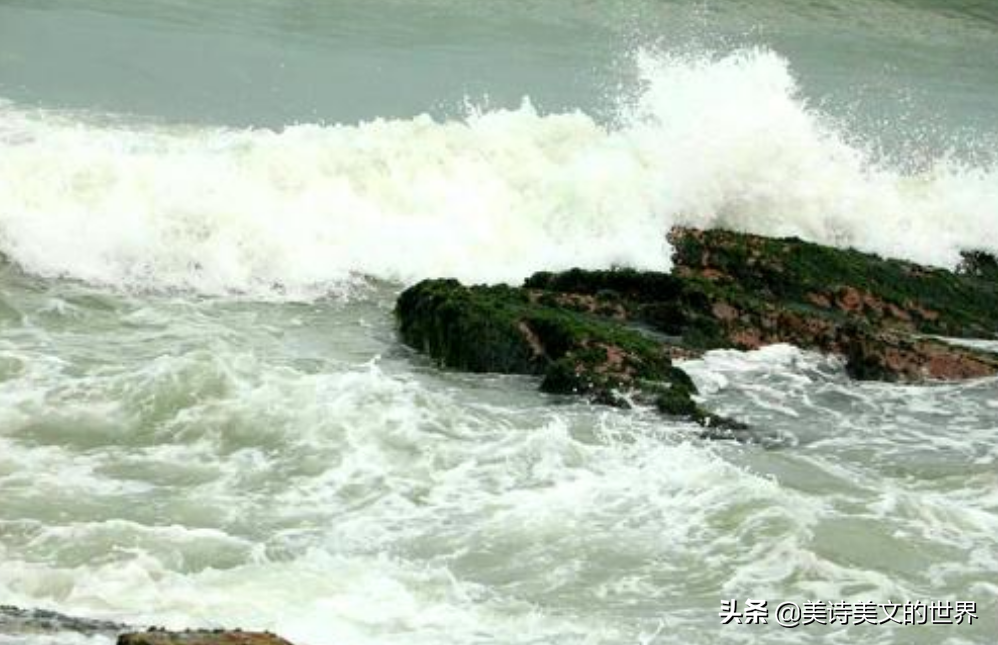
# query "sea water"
(207, 210)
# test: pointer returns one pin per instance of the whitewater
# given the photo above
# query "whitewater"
(207, 419)
(492, 197)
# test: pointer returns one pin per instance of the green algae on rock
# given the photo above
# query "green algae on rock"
(883, 292)
(527, 331)
(611, 335)
(979, 264)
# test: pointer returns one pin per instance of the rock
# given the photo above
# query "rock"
(15, 620)
(202, 637)
(979, 264)
(883, 293)
(577, 344)
(887, 356)
(612, 335)
(30, 622)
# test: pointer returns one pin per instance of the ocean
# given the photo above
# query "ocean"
(208, 208)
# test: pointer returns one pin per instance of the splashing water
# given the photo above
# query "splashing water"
(494, 197)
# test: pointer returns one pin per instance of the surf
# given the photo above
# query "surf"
(308, 210)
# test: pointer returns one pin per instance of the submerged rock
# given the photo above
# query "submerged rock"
(202, 637)
(612, 335)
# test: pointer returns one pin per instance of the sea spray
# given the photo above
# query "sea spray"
(709, 141)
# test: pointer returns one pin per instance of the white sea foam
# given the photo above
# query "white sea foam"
(359, 504)
(361, 507)
(495, 196)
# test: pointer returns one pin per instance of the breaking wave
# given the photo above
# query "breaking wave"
(491, 197)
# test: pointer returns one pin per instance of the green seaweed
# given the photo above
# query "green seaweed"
(929, 300)
(979, 264)
(501, 329)
(609, 335)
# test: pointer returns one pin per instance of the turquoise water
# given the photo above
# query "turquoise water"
(274, 62)
(207, 210)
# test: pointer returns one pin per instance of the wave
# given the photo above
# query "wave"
(494, 196)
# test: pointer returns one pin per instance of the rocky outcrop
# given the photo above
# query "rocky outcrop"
(890, 356)
(844, 283)
(612, 335)
(27, 623)
(980, 264)
(576, 343)
(202, 637)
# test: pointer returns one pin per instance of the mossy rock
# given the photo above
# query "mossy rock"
(883, 292)
(515, 331)
(979, 264)
(609, 335)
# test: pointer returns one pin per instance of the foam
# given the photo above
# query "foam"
(493, 197)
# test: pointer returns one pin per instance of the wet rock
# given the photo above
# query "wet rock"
(579, 345)
(979, 264)
(887, 356)
(611, 335)
(882, 292)
(15, 620)
(29, 622)
(203, 637)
